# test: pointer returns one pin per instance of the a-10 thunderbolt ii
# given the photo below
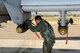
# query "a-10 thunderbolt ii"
(20, 10)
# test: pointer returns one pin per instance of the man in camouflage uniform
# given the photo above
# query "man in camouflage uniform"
(46, 31)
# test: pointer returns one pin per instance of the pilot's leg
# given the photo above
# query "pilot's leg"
(47, 47)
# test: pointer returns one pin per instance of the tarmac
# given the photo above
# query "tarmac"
(12, 42)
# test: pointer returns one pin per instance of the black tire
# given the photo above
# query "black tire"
(71, 21)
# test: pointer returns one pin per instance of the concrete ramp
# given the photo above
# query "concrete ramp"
(35, 50)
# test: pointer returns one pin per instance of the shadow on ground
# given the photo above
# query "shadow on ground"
(35, 50)
(69, 38)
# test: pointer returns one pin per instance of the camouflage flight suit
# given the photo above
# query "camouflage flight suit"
(46, 32)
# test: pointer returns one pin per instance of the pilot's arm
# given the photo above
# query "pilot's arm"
(34, 28)
(39, 27)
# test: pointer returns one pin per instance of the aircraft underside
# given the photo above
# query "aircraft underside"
(20, 10)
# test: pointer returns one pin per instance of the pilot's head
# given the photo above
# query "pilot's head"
(38, 18)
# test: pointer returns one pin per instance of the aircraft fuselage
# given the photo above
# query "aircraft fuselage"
(50, 5)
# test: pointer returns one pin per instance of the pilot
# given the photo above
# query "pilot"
(46, 32)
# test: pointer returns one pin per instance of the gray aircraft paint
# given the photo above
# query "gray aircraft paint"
(19, 10)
